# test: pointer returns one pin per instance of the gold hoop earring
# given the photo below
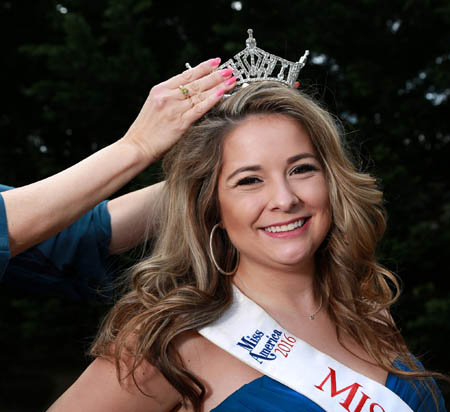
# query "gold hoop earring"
(212, 254)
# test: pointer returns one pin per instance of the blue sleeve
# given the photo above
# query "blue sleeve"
(73, 264)
(4, 238)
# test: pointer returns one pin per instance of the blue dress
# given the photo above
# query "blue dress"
(73, 264)
(265, 394)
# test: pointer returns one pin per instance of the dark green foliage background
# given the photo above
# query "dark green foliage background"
(72, 82)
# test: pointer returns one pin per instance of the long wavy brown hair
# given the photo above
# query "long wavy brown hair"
(177, 288)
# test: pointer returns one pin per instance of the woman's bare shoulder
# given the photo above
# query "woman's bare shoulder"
(196, 352)
(99, 390)
(213, 367)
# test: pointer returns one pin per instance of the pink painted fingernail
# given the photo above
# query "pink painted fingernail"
(231, 81)
(220, 92)
(215, 62)
(226, 72)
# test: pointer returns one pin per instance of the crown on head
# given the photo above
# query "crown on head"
(254, 64)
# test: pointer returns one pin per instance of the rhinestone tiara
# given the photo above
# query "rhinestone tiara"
(254, 64)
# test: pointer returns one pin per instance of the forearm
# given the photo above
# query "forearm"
(131, 216)
(40, 210)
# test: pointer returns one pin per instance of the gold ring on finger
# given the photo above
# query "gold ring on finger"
(185, 91)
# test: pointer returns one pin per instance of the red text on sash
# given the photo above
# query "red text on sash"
(352, 392)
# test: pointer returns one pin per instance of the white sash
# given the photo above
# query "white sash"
(251, 335)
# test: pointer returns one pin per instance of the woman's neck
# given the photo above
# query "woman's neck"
(279, 291)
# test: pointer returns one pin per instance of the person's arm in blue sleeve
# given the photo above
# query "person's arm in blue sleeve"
(72, 264)
(75, 263)
(40, 210)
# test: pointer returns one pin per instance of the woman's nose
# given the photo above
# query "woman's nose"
(283, 197)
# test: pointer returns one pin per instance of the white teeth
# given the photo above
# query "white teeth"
(286, 228)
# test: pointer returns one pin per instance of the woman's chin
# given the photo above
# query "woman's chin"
(292, 261)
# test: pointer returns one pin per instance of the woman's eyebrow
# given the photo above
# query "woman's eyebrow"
(253, 168)
(300, 156)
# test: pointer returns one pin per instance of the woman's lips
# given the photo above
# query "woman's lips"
(284, 231)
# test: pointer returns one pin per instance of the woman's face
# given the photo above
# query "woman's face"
(272, 193)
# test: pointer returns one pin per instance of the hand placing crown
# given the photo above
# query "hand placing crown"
(254, 64)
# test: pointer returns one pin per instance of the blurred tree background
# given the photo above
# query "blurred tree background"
(76, 72)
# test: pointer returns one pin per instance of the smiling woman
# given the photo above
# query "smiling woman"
(305, 315)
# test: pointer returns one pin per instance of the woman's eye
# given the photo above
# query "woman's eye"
(248, 181)
(304, 168)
